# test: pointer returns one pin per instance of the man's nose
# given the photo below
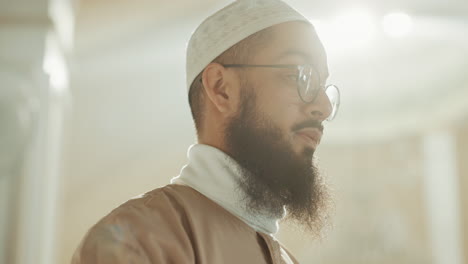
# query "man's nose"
(321, 107)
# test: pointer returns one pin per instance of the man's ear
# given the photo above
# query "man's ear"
(220, 87)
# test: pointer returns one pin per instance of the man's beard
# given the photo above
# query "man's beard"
(274, 177)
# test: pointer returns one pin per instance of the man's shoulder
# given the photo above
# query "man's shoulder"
(164, 202)
(149, 220)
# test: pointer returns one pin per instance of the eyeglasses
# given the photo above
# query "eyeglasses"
(308, 83)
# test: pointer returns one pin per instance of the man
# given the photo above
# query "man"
(256, 74)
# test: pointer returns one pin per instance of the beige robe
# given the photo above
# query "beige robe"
(176, 224)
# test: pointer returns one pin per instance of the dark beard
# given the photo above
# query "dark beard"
(273, 175)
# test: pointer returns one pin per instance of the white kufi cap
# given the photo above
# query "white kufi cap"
(229, 26)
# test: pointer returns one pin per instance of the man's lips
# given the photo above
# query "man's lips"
(309, 124)
(311, 135)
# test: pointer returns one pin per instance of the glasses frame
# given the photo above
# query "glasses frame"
(300, 69)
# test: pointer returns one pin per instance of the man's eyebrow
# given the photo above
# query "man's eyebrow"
(294, 52)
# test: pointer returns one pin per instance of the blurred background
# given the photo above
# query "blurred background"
(93, 111)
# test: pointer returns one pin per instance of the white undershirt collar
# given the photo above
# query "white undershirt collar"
(214, 174)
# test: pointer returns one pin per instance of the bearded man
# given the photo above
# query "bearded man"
(256, 74)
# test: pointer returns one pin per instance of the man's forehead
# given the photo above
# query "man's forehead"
(294, 53)
(297, 42)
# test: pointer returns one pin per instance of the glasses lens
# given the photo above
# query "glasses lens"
(308, 83)
(333, 94)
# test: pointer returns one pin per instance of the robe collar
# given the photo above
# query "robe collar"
(216, 175)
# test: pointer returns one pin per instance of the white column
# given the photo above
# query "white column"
(442, 197)
(35, 36)
(16, 115)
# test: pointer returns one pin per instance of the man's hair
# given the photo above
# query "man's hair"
(237, 54)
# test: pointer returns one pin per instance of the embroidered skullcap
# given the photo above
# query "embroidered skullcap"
(230, 25)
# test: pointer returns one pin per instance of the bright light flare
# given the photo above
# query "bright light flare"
(354, 28)
(54, 65)
(356, 25)
(397, 24)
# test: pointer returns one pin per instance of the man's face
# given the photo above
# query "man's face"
(274, 134)
(276, 90)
